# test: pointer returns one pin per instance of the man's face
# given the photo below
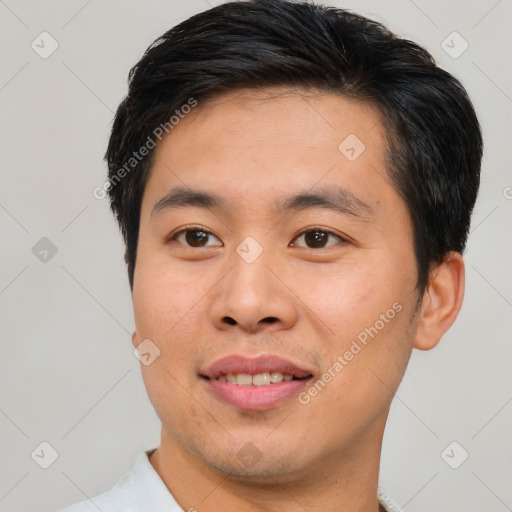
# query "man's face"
(261, 274)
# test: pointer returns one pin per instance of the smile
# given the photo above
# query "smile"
(259, 379)
(255, 383)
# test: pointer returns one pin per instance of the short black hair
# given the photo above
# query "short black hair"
(434, 137)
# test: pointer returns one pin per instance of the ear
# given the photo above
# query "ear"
(441, 302)
(135, 339)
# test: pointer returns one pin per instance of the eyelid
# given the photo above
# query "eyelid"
(195, 227)
(343, 238)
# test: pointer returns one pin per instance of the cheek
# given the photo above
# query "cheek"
(349, 298)
(165, 309)
(365, 311)
(170, 308)
(363, 366)
(162, 299)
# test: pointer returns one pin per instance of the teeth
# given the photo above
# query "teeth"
(276, 377)
(243, 379)
(260, 379)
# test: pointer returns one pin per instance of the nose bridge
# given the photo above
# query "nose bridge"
(251, 295)
(251, 280)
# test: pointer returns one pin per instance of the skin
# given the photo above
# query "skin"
(198, 304)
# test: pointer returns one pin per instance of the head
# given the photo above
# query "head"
(326, 170)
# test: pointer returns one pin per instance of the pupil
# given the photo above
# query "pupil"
(316, 238)
(195, 237)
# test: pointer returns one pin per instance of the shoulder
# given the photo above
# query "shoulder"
(139, 490)
(117, 499)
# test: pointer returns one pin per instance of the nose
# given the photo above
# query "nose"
(254, 297)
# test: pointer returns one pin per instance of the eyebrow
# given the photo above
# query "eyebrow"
(333, 198)
(181, 197)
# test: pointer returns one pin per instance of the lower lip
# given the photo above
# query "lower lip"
(255, 398)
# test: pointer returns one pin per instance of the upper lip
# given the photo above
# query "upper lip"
(252, 365)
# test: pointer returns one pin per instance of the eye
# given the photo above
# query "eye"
(318, 238)
(194, 238)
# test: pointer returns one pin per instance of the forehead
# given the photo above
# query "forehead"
(270, 141)
(281, 116)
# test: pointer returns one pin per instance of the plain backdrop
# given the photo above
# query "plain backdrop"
(68, 374)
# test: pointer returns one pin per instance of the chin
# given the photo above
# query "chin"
(265, 475)
(271, 468)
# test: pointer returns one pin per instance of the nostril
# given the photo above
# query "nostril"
(268, 320)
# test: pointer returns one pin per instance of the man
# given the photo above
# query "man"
(294, 185)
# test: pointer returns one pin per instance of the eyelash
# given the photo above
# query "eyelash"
(174, 236)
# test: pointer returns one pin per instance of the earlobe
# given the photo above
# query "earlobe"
(441, 302)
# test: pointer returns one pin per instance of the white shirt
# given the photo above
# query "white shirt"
(142, 490)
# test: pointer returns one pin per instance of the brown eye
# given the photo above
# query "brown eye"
(318, 238)
(195, 238)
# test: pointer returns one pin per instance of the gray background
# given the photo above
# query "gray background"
(68, 375)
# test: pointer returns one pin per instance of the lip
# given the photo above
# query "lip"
(253, 365)
(255, 398)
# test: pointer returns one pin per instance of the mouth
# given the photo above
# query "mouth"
(255, 384)
(259, 379)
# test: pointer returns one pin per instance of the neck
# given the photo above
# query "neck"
(341, 482)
